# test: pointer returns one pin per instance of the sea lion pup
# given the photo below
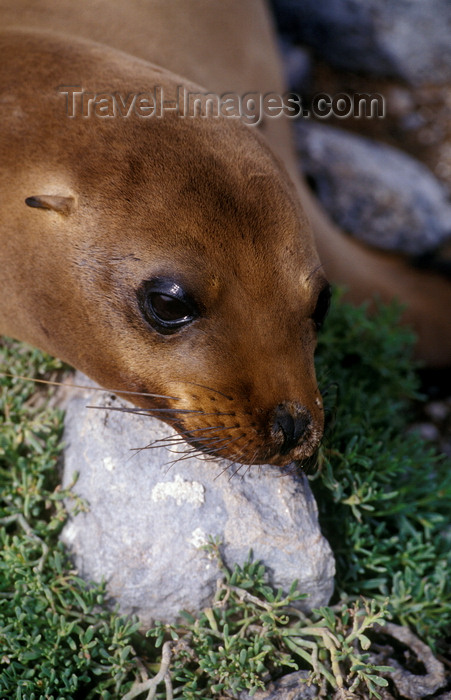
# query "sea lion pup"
(229, 46)
(159, 255)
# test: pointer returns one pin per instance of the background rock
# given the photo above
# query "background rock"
(379, 194)
(148, 521)
(406, 39)
(297, 66)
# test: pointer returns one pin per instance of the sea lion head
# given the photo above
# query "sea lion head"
(233, 302)
(171, 257)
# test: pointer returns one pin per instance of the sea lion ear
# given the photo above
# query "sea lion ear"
(55, 202)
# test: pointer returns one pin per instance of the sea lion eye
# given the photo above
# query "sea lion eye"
(165, 305)
(322, 307)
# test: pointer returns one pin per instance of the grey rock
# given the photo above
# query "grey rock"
(297, 66)
(427, 431)
(406, 39)
(437, 410)
(148, 520)
(375, 192)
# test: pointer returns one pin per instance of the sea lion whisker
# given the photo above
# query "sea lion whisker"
(226, 442)
(205, 455)
(184, 435)
(188, 451)
(187, 434)
(228, 465)
(173, 440)
(184, 457)
(212, 440)
(142, 411)
(147, 411)
(248, 466)
(88, 388)
(192, 450)
(173, 462)
(169, 447)
(315, 269)
(155, 444)
(204, 386)
(152, 446)
(213, 427)
(135, 451)
(240, 452)
(168, 441)
(237, 471)
(251, 464)
(232, 463)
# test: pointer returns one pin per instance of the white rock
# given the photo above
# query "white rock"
(149, 520)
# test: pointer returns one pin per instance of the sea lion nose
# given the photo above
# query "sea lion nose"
(290, 421)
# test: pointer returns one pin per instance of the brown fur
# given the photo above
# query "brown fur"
(203, 200)
(156, 198)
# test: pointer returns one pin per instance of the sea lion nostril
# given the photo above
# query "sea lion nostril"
(292, 421)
